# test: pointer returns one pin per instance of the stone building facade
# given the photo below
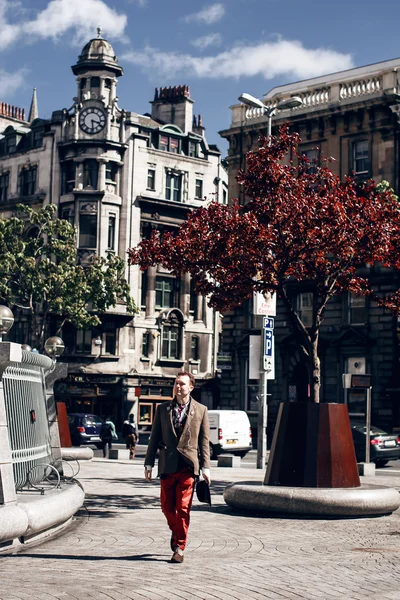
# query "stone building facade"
(353, 117)
(117, 175)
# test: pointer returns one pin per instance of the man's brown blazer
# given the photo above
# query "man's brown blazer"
(193, 445)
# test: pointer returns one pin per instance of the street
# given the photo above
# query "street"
(117, 548)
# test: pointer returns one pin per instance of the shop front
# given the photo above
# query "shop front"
(100, 395)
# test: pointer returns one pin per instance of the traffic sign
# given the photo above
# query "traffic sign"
(268, 323)
(268, 342)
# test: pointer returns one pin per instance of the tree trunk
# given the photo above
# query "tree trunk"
(315, 383)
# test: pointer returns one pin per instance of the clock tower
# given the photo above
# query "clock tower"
(97, 71)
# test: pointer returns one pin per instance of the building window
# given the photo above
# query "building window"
(27, 181)
(193, 149)
(90, 174)
(107, 84)
(169, 144)
(151, 179)
(171, 337)
(111, 171)
(199, 188)
(68, 215)
(94, 82)
(83, 344)
(164, 292)
(173, 187)
(82, 83)
(11, 144)
(173, 145)
(68, 177)
(144, 288)
(195, 348)
(305, 308)
(88, 231)
(37, 138)
(224, 197)
(4, 180)
(146, 345)
(357, 313)
(313, 157)
(109, 338)
(361, 157)
(111, 232)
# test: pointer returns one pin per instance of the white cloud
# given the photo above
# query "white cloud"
(11, 82)
(214, 39)
(268, 59)
(209, 14)
(79, 17)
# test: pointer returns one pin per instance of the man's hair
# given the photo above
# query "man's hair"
(190, 375)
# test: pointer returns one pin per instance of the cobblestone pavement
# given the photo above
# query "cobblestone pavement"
(118, 549)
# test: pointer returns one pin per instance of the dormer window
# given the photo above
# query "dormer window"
(193, 149)
(37, 138)
(169, 144)
(11, 144)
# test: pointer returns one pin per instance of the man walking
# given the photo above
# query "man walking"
(181, 432)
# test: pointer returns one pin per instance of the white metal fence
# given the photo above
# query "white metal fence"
(26, 412)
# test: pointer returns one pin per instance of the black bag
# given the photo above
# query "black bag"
(106, 431)
(203, 492)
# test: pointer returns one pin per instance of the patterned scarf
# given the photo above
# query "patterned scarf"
(179, 414)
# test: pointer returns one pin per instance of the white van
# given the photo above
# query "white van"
(229, 432)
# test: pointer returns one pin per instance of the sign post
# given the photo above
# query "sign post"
(364, 382)
(266, 367)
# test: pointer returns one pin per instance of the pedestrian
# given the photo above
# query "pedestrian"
(129, 433)
(107, 435)
(181, 432)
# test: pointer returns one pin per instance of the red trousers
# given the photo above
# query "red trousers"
(176, 501)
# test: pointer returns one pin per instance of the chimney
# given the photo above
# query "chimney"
(173, 105)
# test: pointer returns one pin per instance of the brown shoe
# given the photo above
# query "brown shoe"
(177, 556)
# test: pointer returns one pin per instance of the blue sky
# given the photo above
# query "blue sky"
(219, 49)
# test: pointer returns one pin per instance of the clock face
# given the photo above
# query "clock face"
(92, 120)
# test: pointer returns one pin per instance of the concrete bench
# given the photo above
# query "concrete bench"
(228, 460)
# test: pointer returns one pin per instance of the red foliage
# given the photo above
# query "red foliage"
(297, 225)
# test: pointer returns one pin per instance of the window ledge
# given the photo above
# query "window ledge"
(171, 362)
(144, 359)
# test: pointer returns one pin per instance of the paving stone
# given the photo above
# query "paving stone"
(118, 549)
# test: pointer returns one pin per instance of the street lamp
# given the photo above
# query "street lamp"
(249, 100)
(54, 347)
(293, 102)
(6, 321)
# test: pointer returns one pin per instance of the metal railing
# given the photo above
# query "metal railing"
(26, 412)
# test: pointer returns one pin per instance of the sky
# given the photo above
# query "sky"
(219, 49)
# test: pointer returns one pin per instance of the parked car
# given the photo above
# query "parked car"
(230, 431)
(85, 429)
(383, 446)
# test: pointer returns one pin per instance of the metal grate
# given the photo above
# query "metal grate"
(25, 402)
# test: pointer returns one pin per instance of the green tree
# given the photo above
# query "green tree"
(39, 274)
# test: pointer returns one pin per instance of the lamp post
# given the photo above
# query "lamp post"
(269, 111)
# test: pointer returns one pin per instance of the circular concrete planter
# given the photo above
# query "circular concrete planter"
(364, 501)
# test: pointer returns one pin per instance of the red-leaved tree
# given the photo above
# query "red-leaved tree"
(299, 224)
